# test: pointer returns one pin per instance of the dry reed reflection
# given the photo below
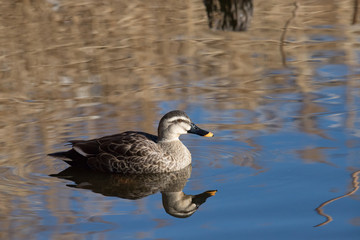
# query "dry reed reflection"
(91, 68)
(355, 184)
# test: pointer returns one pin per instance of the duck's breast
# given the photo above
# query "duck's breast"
(177, 153)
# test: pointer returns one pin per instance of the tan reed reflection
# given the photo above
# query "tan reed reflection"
(319, 209)
(85, 67)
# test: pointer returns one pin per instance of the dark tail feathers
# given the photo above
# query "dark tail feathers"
(60, 155)
(71, 157)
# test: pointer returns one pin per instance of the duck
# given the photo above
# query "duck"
(134, 152)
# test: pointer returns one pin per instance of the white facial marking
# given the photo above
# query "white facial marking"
(178, 118)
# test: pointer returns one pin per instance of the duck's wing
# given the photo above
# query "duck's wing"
(128, 152)
(111, 143)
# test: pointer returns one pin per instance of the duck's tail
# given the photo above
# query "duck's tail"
(60, 155)
(71, 157)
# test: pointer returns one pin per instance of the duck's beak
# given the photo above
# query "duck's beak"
(196, 130)
(211, 192)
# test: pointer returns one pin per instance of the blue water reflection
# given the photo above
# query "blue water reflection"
(281, 97)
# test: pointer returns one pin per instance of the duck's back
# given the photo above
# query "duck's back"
(128, 152)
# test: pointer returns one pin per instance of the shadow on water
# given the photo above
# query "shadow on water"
(171, 185)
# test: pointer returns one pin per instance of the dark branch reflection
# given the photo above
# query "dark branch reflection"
(356, 12)
(231, 15)
(175, 201)
(319, 209)
(282, 38)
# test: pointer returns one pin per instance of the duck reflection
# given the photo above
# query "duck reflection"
(231, 15)
(175, 201)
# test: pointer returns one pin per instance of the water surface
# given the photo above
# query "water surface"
(281, 97)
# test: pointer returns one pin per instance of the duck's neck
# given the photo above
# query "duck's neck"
(178, 153)
(167, 137)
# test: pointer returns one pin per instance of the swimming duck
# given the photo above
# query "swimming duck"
(137, 152)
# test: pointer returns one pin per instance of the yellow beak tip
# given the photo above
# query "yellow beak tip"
(212, 193)
(210, 134)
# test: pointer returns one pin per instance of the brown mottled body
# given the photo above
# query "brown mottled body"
(137, 152)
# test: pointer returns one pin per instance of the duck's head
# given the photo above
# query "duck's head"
(175, 123)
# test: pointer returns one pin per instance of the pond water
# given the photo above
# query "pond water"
(282, 98)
